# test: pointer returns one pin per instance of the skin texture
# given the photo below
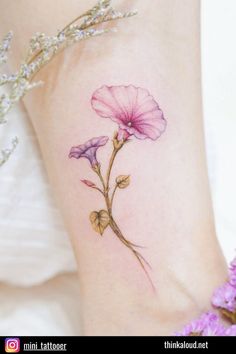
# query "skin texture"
(167, 207)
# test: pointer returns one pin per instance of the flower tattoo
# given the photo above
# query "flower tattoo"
(134, 109)
(89, 149)
(138, 115)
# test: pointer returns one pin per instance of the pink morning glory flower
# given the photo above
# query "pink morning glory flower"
(232, 273)
(89, 149)
(207, 324)
(225, 297)
(133, 108)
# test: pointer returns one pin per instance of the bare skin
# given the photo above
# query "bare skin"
(167, 207)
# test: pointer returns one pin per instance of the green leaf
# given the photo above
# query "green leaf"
(123, 181)
(99, 220)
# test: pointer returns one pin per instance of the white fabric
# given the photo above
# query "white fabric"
(51, 308)
(219, 78)
(34, 246)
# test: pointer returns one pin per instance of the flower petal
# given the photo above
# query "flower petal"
(89, 149)
(106, 105)
(133, 108)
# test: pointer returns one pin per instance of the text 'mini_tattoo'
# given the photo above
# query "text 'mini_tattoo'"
(139, 116)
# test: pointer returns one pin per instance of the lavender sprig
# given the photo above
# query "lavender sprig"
(43, 49)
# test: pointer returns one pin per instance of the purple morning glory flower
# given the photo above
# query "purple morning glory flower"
(206, 324)
(89, 149)
(225, 297)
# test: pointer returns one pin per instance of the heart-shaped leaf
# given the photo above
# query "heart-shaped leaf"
(122, 181)
(99, 220)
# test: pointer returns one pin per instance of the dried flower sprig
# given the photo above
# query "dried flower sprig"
(223, 300)
(224, 297)
(6, 153)
(4, 47)
(43, 48)
(208, 324)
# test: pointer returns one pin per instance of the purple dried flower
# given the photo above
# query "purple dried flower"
(225, 297)
(231, 331)
(214, 328)
(232, 272)
(206, 323)
(89, 149)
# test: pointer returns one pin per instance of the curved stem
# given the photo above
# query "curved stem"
(99, 190)
(102, 181)
(113, 156)
(115, 228)
(113, 194)
(127, 243)
(137, 255)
